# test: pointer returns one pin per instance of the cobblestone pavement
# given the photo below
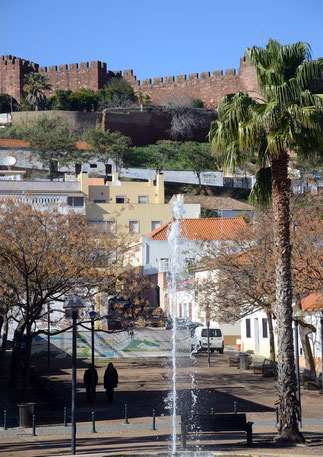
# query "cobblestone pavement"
(144, 386)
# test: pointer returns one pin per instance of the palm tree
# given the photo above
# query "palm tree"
(285, 119)
(35, 85)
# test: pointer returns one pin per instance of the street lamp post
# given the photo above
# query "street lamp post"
(321, 322)
(208, 336)
(93, 316)
(73, 304)
(48, 338)
(297, 313)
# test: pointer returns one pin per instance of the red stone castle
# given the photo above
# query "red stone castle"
(93, 75)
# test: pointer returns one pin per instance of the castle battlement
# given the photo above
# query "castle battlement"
(209, 87)
(95, 64)
(165, 80)
(10, 61)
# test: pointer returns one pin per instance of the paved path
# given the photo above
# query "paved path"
(144, 386)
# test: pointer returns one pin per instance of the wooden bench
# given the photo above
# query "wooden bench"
(269, 368)
(311, 380)
(200, 423)
(234, 361)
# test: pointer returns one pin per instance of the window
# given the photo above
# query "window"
(111, 226)
(142, 198)
(120, 199)
(104, 226)
(163, 266)
(248, 331)
(93, 165)
(155, 224)
(99, 201)
(75, 201)
(134, 226)
(213, 333)
(264, 328)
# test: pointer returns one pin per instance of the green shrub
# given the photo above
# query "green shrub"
(197, 103)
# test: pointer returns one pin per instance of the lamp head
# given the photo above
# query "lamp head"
(74, 303)
(298, 313)
(93, 315)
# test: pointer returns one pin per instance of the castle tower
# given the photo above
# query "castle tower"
(12, 72)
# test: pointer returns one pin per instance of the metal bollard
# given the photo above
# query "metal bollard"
(34, 425)
(65, 416)
(93, 423)
(154, 420)
(126, 414)
(5, 419)
(235, 407)
(277, 416)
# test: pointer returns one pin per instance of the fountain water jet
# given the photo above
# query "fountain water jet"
(176, 267)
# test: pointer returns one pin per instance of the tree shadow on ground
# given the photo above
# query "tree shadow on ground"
(141, 404)
(141, 445)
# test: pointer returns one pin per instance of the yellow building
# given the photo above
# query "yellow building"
(137, 207)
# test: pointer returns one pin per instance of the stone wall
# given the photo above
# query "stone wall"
(94, 75)
(144, 128)
(78, 121)
(12, 72)
(207, 87)
(74, 77)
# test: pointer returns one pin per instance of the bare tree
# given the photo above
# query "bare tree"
(184, 118)
(44, 256)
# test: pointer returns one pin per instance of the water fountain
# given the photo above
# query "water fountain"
(176, 267)
(178, 245)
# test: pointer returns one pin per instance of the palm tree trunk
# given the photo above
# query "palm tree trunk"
(288, 430)
(271, 335)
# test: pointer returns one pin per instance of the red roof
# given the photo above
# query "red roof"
(96, 181)
(224, 228)
(312, 302)
(10, 143)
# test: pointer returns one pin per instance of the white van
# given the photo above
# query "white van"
(199, 341)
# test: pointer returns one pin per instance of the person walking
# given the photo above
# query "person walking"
(90, 381)
(110, 381)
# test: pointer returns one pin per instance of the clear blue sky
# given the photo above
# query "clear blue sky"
(155, 38)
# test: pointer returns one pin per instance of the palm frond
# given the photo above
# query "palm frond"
(309, 71)
(260, 194)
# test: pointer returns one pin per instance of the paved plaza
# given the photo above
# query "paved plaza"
(144, 385)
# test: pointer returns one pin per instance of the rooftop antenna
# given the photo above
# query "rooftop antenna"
(32, 47)
(4, 30)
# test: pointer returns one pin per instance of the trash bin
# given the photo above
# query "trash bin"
(244, 361)
(26, 411)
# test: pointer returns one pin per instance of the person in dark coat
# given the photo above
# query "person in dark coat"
(110, 381)
(90, 383)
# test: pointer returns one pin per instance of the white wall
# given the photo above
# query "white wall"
(256, 342)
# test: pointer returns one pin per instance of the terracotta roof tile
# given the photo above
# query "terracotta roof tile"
(10, 143)
(226, 228)
(216, 203)
(312, 302)
(96, 181)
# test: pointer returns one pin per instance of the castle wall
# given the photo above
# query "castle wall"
(12, 72)
(207, 87)
(74, 77)
(79, 122)
(148, 127)
(94, 75)
(144, 128)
